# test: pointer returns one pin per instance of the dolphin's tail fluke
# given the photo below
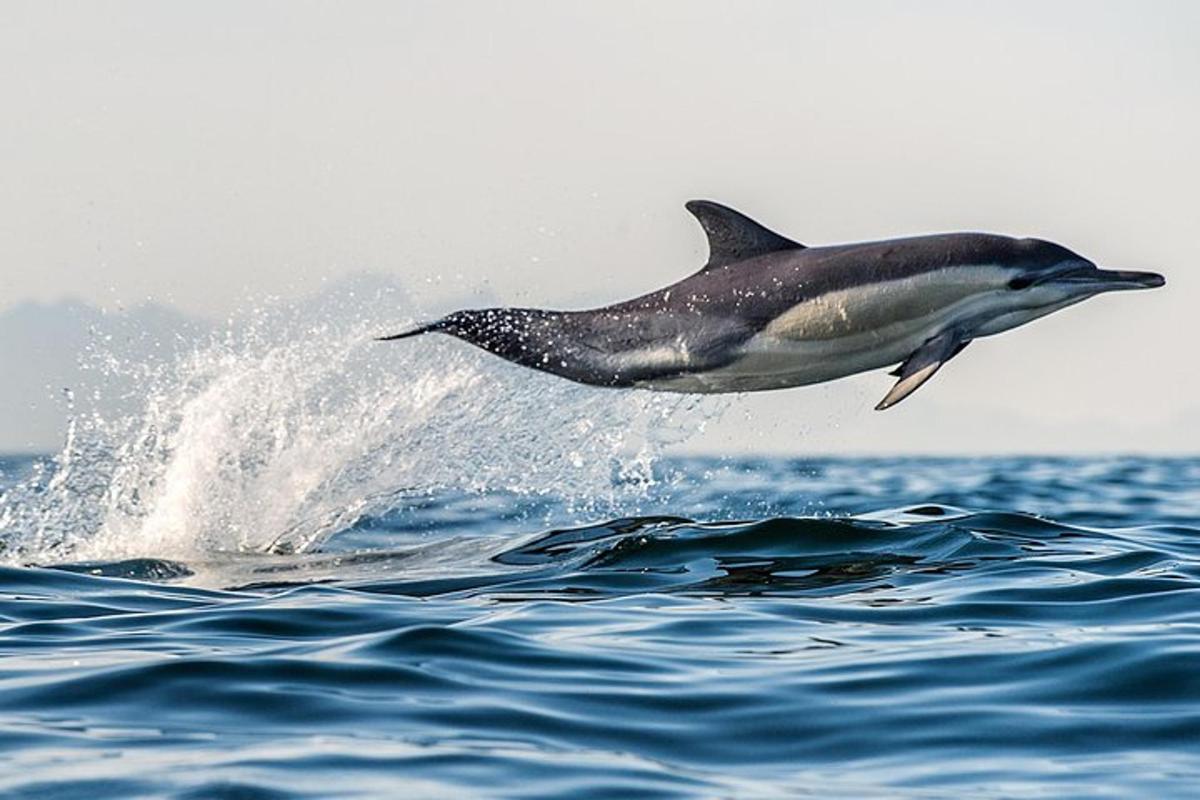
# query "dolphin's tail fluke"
(430, 328)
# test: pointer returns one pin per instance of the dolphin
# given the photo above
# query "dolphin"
(766, 312)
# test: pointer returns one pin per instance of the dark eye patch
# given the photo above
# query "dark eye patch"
(1021, 282)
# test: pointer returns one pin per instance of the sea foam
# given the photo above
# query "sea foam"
(289, 423)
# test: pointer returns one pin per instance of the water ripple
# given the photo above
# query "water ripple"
(838, 646)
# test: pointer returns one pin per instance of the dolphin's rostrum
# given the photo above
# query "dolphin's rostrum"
(766, 312)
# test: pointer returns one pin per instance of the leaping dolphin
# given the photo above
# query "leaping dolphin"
(766, 312)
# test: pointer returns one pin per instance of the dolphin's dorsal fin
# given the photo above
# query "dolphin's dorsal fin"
(732, 236)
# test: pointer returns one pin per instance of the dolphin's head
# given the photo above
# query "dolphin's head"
(1046, 271)
(1041, 277)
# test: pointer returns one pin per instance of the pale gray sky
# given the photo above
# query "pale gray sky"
(196, 154)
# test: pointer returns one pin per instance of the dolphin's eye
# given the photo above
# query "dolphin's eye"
(1021, 282)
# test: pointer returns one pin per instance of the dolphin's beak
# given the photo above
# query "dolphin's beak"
(1129, 279)
(1109, 280)
(1117, 280)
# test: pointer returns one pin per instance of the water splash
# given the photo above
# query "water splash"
(291, 423)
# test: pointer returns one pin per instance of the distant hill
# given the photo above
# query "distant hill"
(45, 349)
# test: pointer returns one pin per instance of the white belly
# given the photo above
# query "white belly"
(768, 363)
(852, 331)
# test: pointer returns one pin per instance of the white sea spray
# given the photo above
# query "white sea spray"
(290, 423)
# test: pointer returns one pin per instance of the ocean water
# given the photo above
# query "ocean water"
(452, 578)
(925, 628)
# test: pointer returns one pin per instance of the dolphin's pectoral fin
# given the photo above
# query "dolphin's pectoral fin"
(732, 236)
(899, 370)
(922, 364)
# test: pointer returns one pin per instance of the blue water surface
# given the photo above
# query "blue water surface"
(754, 628)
